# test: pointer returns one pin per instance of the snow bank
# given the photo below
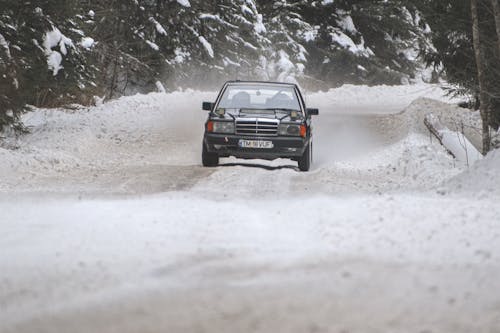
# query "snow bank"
(454, 141)
(358, 146)
(156, 128)
(378, 99)
(483, 178)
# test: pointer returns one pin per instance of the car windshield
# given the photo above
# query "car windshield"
(262, 97)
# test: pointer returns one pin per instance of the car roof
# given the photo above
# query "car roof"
(238, 82)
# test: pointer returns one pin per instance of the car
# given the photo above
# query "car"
(258, 120)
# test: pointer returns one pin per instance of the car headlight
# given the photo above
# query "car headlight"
(291, 130)
(226, 127)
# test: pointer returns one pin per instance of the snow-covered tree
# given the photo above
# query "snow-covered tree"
(59, 51)
(455, 54)
(44, 61)
(362, 41)
(287, 32)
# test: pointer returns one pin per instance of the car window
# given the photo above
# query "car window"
(259, 97)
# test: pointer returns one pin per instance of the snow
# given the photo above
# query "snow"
(246, 10)
(311, 34)
(51, 40)
(119, 228)
(346, 22)
(153, 45)
(250, 46)
(180, 55)
(361, 68)
(346, 42)
(207, 46)
(87, 42)
(158, 26)
(54, 60)
(259, 26)
(456, 142)
(226, 61)
(380, 99)
(461, 147)
(184, 3)
(160, 87)
(482, 179)
(286, 68)
(5, 45)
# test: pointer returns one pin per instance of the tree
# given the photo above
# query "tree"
(43, 61)
(466, 50)
(483, 94)
(496, 13)
(113, 48)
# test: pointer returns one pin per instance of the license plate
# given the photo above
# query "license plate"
(258, 144)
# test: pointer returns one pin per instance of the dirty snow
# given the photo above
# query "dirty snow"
(118, 227)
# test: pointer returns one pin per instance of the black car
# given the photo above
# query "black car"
(262, 120)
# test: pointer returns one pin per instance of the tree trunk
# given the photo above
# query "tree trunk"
(496, 13)
(495, 113)
(483, 94)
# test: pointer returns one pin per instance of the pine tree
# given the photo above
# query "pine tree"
(286, 31)
(455, 53)
(201, 43)
(43, 61)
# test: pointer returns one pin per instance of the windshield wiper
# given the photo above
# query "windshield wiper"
(281, 109)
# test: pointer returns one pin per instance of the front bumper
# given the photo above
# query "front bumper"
(283, 147)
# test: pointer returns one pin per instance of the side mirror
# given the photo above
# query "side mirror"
(312, 112)
(207, 106)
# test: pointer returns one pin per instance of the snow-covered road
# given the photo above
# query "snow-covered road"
(110, 224)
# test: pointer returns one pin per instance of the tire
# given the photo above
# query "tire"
(306, 158)
(209, 159)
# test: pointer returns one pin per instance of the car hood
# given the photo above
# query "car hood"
(259, 113)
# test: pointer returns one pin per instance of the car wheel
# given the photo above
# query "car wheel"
(209, 159)
(305, 159)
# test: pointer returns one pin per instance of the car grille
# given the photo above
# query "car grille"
(257, 127)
